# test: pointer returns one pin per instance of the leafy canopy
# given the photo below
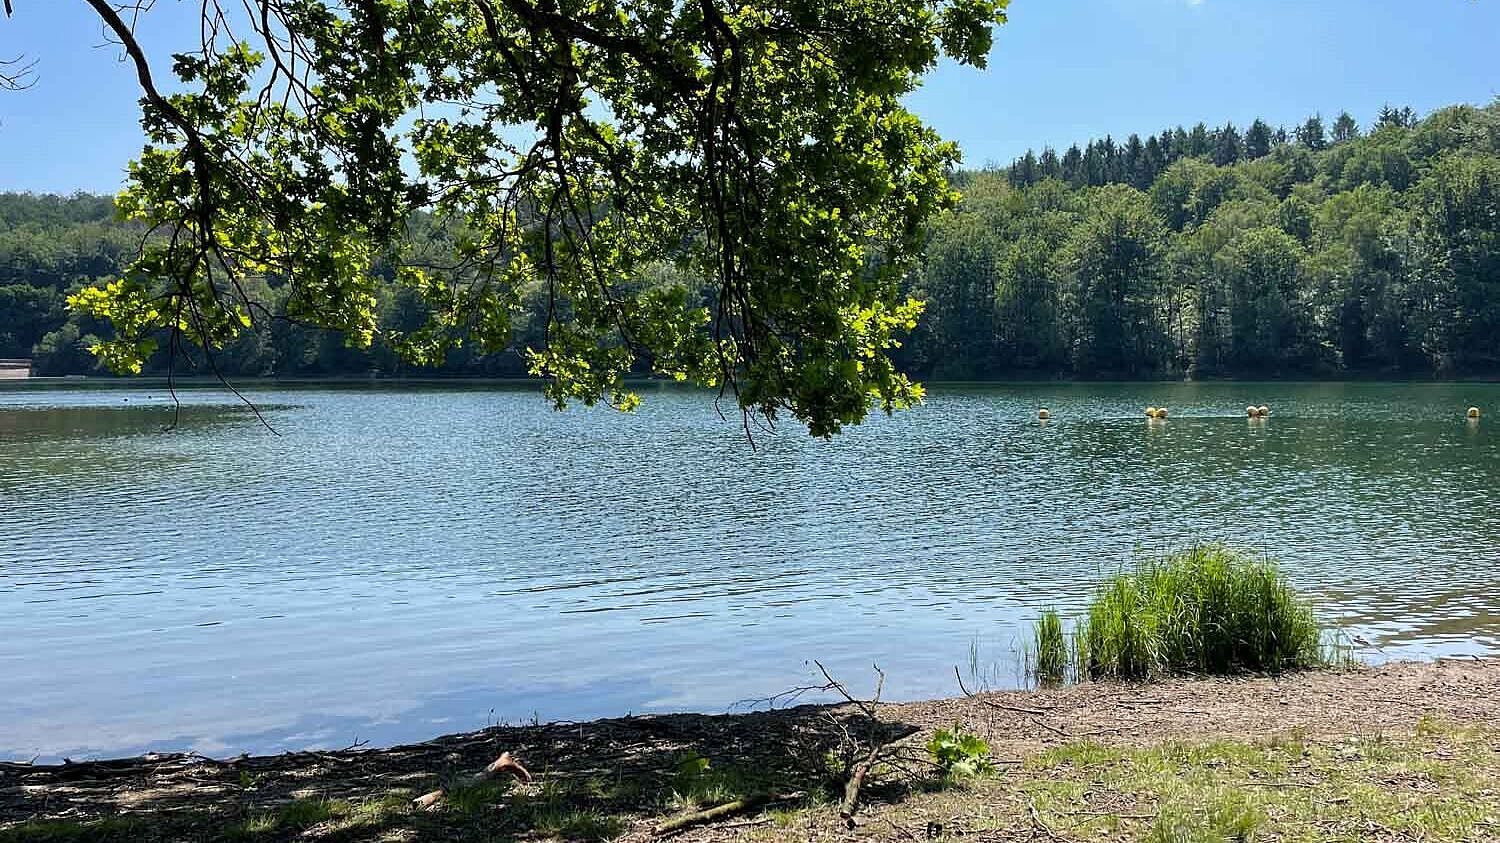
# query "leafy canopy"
(568, 144)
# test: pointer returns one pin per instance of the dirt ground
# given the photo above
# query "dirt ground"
(619, 778)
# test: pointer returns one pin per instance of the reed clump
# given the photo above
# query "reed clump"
(1053, 655)
(1208, 610)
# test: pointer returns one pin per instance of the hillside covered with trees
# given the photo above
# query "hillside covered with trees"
(1324, 251)
(1320, 252)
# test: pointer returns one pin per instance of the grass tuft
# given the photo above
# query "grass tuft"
(1052, 655)
(1208, 610)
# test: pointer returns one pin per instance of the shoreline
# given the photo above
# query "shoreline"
(1395, 699)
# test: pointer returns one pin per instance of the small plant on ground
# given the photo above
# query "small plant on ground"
(698, 783)
(960, 755)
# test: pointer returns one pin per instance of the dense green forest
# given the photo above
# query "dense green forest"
(1323, 251)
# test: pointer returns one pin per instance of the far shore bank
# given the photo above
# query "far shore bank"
(354, 379)
(1323, 734)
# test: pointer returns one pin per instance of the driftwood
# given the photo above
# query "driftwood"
(504, 764)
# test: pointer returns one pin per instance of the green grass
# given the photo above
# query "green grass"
(1438, 783)
(1228, 818)
(1207, 610)
(68, 831)
(1052, 654)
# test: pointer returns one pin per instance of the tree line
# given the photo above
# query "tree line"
(1220, 253)
(1323, 251)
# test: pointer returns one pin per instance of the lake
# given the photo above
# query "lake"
(400, 563)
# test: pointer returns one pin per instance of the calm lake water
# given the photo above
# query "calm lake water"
(401, 563)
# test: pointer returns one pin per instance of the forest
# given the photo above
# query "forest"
(1322, 251)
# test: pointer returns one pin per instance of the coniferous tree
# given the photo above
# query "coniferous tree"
(1258, 140)
(1048, 165)
(1400, 118)
(1024, 172)
(1072, 167)
(1164, 146)
(1344, 128)
(1197, 142)
(1311, 133)
(1227, 145)
(1153, 161)
(1132, 163)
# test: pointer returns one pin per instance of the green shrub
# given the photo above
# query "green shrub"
(1206, 610)
(958, 754)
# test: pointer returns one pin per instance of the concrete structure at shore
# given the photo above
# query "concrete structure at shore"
(14, 369)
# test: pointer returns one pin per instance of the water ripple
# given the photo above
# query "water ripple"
(396, 553)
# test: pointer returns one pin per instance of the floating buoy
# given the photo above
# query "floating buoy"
(1252, 411)
(1043, 414)
(1473, 412)
(1151, 412)
(1263, 411)
(1161, 412)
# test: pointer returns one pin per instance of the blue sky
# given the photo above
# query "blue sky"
(1062, 71)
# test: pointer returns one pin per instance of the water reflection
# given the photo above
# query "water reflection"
(399, 563)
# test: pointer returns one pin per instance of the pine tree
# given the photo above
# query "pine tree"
(1344, 128)
(1258, 140)
(1401, 118)
(1167, 146)
(1094, 174)
(1227, 145)
(1049, 165)
(1197, 142)
(1311, 133)
(1023, 173)
(1152, 162)
(1072, 166)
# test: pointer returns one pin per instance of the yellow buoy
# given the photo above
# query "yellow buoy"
(1473, 412)
(1150, 412)
(1161, 412)
(1263, 411)
(1043, 414)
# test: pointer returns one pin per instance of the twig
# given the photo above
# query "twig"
(898, 829)
(1037, 712)
(1034, 713)
(1036, 819)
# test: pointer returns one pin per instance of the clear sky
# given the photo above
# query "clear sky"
(1062, 71)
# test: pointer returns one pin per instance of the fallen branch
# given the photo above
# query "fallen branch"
(856, 781)
(718, 812)
(504, 764)
(850, 805)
